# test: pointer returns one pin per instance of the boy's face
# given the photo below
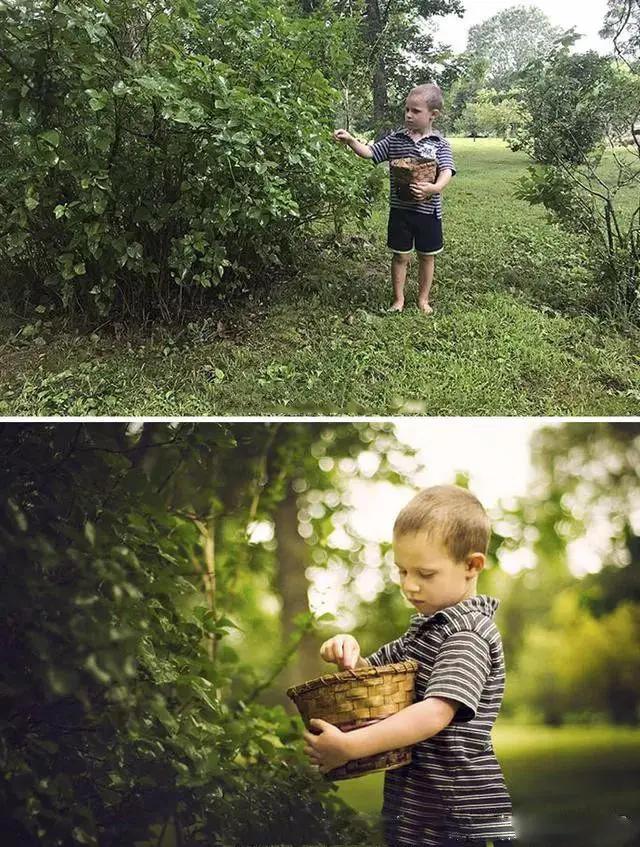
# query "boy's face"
(418, 116)
(430, 579)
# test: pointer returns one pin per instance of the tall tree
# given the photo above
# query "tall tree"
(393, 46)
(510, 39)
(395, 30)
(622, 26)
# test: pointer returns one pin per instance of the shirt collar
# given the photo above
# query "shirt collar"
(480, 603)
(433, 134)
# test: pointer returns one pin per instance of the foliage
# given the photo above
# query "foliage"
(460, 83)
(510, 39)
(581, 667)
(149, 153)
(393, 50)
(622, 26)
(574, 641)
(491, 114)
(116, 716)
(582, 105)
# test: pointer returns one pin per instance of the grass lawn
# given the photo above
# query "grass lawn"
(510, 336)
(571, 787)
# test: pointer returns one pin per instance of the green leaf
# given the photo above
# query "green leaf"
(91, 664)
(18, 515)
(90, 533)
(51, 136)
(83, 837)
(61, 681)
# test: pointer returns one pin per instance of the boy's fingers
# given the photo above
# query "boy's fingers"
(349, 658)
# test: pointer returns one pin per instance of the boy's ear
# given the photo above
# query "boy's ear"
(475, 562)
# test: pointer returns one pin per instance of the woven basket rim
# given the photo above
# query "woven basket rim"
(417, 160)
(344, 676)
(346, 775)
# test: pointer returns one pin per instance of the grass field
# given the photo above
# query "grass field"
(571, 787)
(511, 334)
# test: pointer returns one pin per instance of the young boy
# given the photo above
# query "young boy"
(453, 791)
(417, 223)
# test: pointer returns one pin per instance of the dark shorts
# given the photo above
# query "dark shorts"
(408, 229)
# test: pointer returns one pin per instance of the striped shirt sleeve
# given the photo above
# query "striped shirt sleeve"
(444, 156)
(381, 149)
(460, 672)
(389, 653)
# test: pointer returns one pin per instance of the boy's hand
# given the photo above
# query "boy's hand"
(422, 190)
(342, 650)
(343, 137)
(330, 748)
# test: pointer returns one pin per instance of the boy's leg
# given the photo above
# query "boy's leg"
(400, 240)
(428, 237)
(399, 265)
(425, 279)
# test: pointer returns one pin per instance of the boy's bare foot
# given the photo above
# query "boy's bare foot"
(426, 308)
(397, 306)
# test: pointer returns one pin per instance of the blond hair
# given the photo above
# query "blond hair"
(432, 95)
(451, 514)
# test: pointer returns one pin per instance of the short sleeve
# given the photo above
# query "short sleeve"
(444, 156)
(389, 653)
(460, 672)
(381, 150)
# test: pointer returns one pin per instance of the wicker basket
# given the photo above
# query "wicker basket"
(408, 170)
(353, 699)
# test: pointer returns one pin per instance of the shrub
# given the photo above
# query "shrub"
(149, 152)
(582, 107)
(115, 709)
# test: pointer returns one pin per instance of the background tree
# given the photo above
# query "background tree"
(583, 106)
(622, 26)
(491, 114)
(509, 40)
(396, 50)
(586, 479)
(464, 77)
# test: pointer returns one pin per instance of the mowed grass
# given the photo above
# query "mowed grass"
(571, 787)
(511, 334)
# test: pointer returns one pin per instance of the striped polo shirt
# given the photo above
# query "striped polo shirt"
(432, 146)
(454, 786)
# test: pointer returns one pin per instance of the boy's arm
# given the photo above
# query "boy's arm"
(443, 180)
(333, 748)
(422, 190)
(407, 727)
(358, 147)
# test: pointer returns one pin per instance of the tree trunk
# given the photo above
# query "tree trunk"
(292, 585)
(208, 568)
(374, 30)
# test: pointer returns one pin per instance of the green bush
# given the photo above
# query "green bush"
(115, 713)
(582, 109)
(148, 152)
